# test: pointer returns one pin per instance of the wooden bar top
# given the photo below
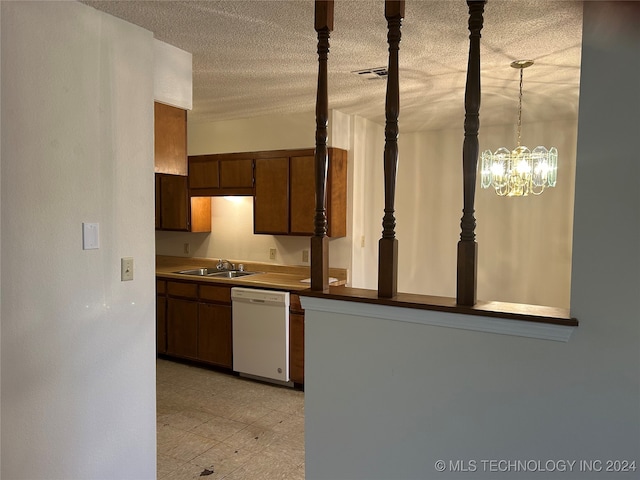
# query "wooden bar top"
(514, 311)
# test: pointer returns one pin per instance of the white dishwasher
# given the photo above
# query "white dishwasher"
(261, 334)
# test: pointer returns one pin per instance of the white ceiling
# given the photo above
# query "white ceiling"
(258, 57)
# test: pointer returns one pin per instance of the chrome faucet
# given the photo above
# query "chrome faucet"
(225, 265)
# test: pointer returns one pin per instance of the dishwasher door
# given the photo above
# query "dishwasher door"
(261, 333)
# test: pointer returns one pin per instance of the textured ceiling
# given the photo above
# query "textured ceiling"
(258, 57)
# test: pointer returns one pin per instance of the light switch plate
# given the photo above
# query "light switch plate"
(126, 269)
(90, 236)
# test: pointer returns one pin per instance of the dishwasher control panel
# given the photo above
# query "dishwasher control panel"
(253, 295)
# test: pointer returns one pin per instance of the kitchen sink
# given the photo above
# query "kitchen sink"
(201, 272)
(231, 274)
(214, 272)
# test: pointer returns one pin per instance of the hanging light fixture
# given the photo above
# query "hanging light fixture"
(519, 172)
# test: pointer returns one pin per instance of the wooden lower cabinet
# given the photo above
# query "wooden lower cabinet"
(296, 340)
(194, 321)
(198, 319)
(161, 316)
(214, 334)
(161, 324)
(296, 348)
(182, 328)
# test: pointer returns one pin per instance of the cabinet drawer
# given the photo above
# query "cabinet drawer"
(214, 293)
(179, 289)
(161, 287)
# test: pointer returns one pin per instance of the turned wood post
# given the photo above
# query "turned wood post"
(320, 241)
(467, 246)
(388, 244)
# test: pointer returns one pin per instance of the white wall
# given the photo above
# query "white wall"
(232, 220)
(78, 345)
(172, 75)
(393, 397)
(524, 243)
(518, 238)
(367, 151)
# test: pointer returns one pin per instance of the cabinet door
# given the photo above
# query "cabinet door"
(296, 347)
(271, 202)
(214, 334)
(200, 214)
(174, 212)
(182, 328)
(203, 172)
(236, 173)
(303, 199)
(337, 193)
(161, 324)
(158, 203)
(170, 125)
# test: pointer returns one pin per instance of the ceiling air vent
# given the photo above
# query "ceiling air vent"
(372, 73)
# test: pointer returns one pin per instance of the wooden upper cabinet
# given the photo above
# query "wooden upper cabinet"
(337, 193)
(285, 194)
(175, 210)
(303, 203)
(170, 126)
(236, 173)
(203, 172)
(271, 202)
(220, 175)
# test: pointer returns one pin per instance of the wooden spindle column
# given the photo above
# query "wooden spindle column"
(467, 246)
(388, 244)
(320, 241)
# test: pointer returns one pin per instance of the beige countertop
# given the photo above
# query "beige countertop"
(282, 277)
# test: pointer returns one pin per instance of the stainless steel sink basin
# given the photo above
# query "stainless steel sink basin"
(214, 272)
(201, 272)
(231, 274)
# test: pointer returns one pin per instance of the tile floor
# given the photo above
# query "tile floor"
(213, 425)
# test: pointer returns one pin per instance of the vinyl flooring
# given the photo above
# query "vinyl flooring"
(214, 426)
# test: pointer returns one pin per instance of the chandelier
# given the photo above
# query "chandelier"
(519, 172)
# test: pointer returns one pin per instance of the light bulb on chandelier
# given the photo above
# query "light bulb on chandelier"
(519, 172)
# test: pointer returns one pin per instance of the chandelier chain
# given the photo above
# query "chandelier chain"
(520, 108)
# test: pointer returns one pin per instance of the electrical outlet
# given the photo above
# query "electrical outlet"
(272, 254)
(305, 255)
(126, 269)
(187, 248)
